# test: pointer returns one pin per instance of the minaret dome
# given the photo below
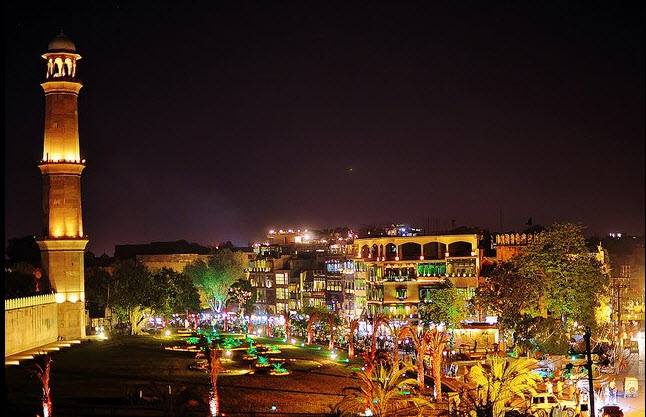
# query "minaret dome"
(61, 43)
(61, 58)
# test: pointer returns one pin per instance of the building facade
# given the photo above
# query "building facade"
(400, 270)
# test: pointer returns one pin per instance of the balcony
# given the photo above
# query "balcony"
(399, 278)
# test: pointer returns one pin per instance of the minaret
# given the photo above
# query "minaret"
(63, 242)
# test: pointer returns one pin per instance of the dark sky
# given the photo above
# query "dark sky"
(220, 120)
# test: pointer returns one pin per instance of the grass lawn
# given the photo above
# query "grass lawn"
(101, 372)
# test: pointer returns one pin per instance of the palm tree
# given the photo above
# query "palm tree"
(43, 372)
(377, 321)
(332, 319)
(501, 380)
(313, 317)
(394, 331)
(353, 326)
(437, 340)
(386, 393)
(215, 367)
(287, 326)
(421, 342)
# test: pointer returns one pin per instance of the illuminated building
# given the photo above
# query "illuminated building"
(342, 272)
(400, 270)
(274, 280)
(295, 241)
(63, 242)
(510, 244)
(157, 255)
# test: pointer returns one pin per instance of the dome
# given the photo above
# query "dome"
(61, 43)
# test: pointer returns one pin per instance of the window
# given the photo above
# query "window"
(261, 295)
(334, 285)
(402, 293)
(551, 400)
(281, 279)
(282, 294)
(319, 284)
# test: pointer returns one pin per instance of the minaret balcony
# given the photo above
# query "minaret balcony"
(61, 167)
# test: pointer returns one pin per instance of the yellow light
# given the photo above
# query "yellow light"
(59, 297)
(57, 231)
(167, 333)
(72, 298)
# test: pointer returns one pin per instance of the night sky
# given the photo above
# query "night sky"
(221, 120)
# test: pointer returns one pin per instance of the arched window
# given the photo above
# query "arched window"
(68, 64)
(60, 70)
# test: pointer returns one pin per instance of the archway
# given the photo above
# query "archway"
(374, 252)
(434, 250)
(411, 251)
(391, 252)
(460, 249)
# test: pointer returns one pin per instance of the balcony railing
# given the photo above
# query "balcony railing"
(399, 278)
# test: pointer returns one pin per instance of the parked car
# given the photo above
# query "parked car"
(542, 404)
(611, 411)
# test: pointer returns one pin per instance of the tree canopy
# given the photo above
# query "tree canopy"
(242, 294)
(549, 290)
(136, 291)
(443, 305)
(214, 278)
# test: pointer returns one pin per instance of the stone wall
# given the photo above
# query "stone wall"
(30, 322)
(176, 262)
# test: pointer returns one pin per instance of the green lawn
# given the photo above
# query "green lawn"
(104, 371)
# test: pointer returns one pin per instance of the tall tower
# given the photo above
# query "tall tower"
(63, 243)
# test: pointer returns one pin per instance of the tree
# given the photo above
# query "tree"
(377, 321)
(437, 340)
(242, 294)
(214, 278)
(420, 341)
(23, 249)
(444, 305)
(510, 296)
(133, 292)
(502, 380)
(385, 393)
(18, 283)
(97, 284)
(174, 292)
(43, 367)
(313, 314)
(333, 321)
(352, 328)
(288, 326)
(215, 367)
(570, 280)
(553, 279)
